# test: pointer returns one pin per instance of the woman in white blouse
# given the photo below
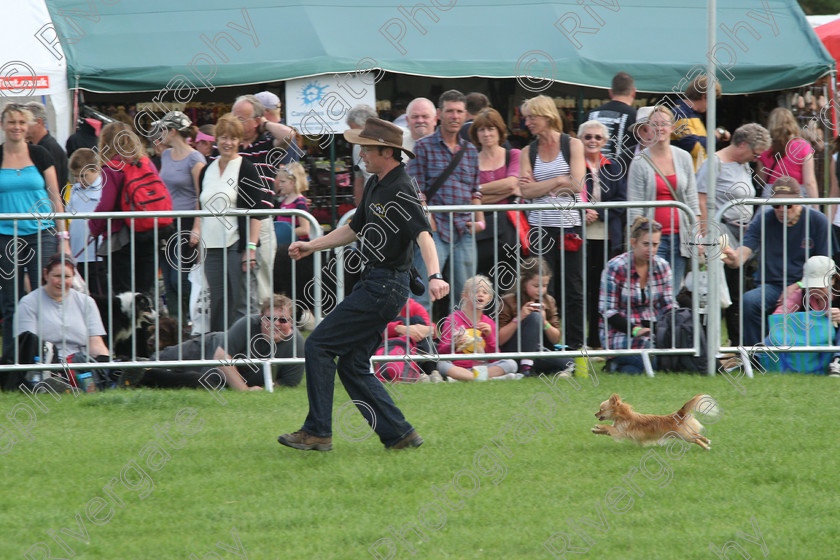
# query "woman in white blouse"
(228, 183)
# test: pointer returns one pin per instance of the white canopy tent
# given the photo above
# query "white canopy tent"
(33, 67)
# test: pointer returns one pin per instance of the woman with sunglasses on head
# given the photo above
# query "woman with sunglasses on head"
(546, 177)
(605, 182)
(635, 289)
(181, 165)
(28, 185)
(662, 172)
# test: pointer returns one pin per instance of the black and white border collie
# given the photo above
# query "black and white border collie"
(122, 329)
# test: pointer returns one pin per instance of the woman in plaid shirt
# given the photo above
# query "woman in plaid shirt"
(635, 288)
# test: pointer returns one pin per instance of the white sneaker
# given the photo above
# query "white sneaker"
(508, 376)
(834, 368)
(436, 377)
(49, 352)
(423, 378)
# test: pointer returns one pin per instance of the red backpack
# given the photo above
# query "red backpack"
(143, 191)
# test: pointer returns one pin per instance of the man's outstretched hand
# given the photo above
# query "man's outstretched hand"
(300, 249)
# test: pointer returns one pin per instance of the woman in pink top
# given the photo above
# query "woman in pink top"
(789, 154)
(469, 331)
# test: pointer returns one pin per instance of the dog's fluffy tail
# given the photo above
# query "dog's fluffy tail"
(704, 403)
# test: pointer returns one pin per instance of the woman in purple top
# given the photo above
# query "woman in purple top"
(498, 175)
(180, 166)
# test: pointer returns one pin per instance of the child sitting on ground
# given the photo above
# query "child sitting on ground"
(469, 331)
(529, 322)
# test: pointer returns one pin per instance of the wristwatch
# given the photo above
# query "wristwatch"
(436, 276)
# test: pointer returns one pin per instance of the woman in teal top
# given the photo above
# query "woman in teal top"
(28, 185)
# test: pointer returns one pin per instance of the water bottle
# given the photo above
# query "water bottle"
(35, 377)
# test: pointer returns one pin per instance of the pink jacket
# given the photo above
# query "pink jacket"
(454, 325)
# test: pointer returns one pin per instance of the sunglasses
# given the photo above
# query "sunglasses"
(648, 225)
(281, 320)
(597, 137)
(285, 170)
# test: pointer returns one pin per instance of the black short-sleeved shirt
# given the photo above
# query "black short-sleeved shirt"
(618, 117)
(59, 159)
(388, 220)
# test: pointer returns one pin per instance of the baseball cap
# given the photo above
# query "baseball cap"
(174, 119)
(269, 100)
(786, 187)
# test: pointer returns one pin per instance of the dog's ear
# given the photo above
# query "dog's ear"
(615, 399)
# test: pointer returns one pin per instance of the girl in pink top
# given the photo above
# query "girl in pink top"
(290, 183)
(468, 330)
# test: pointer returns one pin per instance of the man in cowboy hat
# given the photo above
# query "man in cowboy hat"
(387, 223)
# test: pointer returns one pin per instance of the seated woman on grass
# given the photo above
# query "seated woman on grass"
(469, 331)
(529, 322)
(635, 289)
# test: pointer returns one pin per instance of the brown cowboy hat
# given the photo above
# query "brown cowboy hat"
(378, 133)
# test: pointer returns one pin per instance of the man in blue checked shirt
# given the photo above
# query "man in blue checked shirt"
(454, 242)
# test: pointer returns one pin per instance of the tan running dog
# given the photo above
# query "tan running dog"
(650, 428)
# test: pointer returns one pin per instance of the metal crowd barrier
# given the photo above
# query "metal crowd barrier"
(108, 322)
(496, 212)
(492, 212)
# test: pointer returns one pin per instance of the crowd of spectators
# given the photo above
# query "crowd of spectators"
(597, 277)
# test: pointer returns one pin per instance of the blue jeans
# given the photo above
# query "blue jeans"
(462, 265)
(352, 332)
(677, 262)
(754, 305)
(632, 364)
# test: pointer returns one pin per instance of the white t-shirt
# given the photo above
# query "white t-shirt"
(218, 194)
(68, 324)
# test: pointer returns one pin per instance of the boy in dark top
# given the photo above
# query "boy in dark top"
(387, 223)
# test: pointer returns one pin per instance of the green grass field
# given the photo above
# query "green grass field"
(774, 460)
